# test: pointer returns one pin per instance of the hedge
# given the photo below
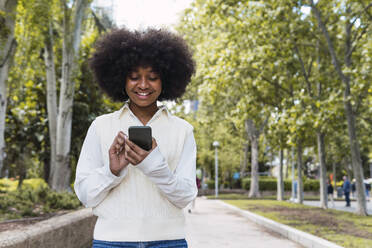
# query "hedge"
(271, 184)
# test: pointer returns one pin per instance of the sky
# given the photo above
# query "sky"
(140, 14)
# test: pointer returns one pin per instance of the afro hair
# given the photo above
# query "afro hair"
(120, 51)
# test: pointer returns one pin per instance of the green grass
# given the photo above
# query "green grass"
(268, 197)
(343, 228)
(7, 185)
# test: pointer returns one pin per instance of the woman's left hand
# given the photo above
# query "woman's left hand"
(135, 154)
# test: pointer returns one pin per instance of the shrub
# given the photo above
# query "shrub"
(311, 185)
(270, 184)
(210, 183)
(35, 198)
(7, 184)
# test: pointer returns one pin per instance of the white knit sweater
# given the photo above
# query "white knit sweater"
(144, 203)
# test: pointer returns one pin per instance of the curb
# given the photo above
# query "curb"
(300, 237)
(72, 230)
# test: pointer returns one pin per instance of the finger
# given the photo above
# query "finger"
(131, 153)
(138, 150)
(154, 144)
(115, 140)
(121, 137)
(130, 159)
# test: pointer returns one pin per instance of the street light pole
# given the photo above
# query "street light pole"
(216, 145)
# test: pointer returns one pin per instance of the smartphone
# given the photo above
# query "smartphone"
(141, 136)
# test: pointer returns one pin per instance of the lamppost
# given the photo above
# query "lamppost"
(216, 145)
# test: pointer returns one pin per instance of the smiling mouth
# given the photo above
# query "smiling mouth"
(143, 93)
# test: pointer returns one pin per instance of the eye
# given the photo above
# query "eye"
(133, 78)
(153, 78)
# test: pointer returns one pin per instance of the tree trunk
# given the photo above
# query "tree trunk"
(287, 164)
(254, 188)
(280, 187)
(71, 42)
(253, 136)
(356, 160)
(51, 99)
(323, 171)
(300, 187)
(7, 49)
(22, 170)
(245, 161)
(350, 115)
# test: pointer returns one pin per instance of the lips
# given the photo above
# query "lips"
(143, 95)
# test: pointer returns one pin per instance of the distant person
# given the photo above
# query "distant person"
(353, 188)
(368, 189)
(330, 192)
(346, 188)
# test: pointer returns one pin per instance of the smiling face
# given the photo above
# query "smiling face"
(143, 86)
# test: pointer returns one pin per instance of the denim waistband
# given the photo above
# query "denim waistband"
(178, 243)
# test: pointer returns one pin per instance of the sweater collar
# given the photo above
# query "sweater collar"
(125, 108)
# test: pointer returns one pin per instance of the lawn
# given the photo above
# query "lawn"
(267, 197)
(342, 228)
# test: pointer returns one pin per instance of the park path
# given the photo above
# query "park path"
(212, 225)
(340, 205)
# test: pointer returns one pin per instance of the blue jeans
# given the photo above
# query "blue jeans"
(347, 199)
(178, 243)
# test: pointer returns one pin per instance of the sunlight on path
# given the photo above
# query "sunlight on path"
(211, 225)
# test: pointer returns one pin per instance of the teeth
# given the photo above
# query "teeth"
(143, 94)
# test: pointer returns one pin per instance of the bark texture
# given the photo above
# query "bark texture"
(300, 185)
(61, 172)
(7, 50)
(280, 187)
(323, 171)
(254, 135)
(51, 97)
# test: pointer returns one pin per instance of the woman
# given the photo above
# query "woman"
(330, 192)
(139, 195)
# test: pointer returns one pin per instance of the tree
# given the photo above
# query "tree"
(351, 43)
(72, 21)
(7, 50)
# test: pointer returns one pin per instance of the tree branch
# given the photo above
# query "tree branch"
(331, 49)
(304, 72)
(276, 84)
(364, 10)
(310, 66)
(100, 26)
(357, 38)
(10, 51)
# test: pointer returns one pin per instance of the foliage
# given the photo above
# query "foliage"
(26, 131)
(8, 185)
(259, 59)
(34, 199)
(271, 184)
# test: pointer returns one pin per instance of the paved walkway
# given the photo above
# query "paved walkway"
(212, 225)
(340, 205)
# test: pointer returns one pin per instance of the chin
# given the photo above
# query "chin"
(144, 104)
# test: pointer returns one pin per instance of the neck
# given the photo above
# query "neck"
(144, 114)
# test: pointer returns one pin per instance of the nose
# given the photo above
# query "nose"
(143, 84)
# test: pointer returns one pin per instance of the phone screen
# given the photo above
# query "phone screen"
(141, 136)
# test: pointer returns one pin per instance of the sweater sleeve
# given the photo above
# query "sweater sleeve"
(94, 178)
(179, 187)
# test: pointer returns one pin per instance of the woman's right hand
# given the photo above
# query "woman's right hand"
(117, 154)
